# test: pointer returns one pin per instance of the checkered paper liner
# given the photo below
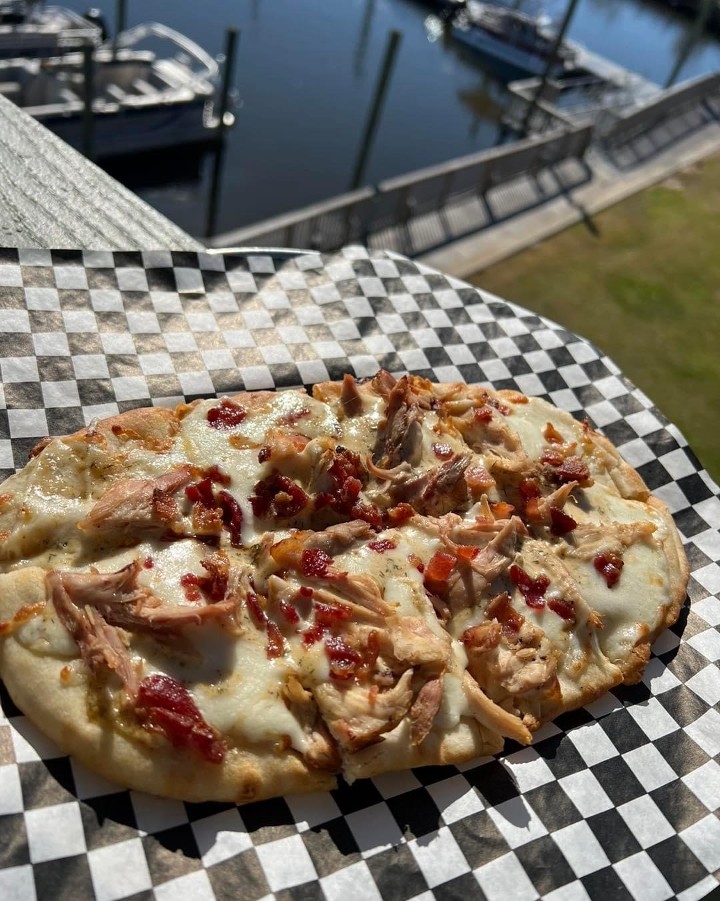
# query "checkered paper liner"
(618, 800)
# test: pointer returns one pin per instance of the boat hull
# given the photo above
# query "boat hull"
(128, 131)
(515, 60)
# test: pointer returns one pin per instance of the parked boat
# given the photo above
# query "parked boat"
(522, 43)
(143, 99)
(31, 29)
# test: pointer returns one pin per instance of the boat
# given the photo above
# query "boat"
(522, 43)
(143, 99)
(31, 29)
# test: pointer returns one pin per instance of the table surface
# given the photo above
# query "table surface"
(51, 196)
(618, 800)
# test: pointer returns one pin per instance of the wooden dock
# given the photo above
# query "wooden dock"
(641, 88)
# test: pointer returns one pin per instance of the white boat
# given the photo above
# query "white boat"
(30, 29)
(143, 99)
(522, 43)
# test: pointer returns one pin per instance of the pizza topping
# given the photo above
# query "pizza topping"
(381, 546)
(436, 491)
(165, 706)
(561, 522)
(609, 566)
(501, 609)
(342, 482)
(232, 517)
(565, 609)
(201, 493)
(400, 435)
(136, 504)
(491, 715)
(567, 469)
(532, 590)
(437, 571)
(278, 497)
(350, 398)
(226, 415)
(443, 451)
(424, 710)
(315, 563)
(551, 434)
(320, 751)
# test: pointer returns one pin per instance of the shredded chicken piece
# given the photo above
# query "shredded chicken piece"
(358, 716)
(132, 504)
(491, 715)
(435, 491)
(424, 709)
(400, 433)
(411, 642)
(337, 538)
(100, 644)
(321, 752)
(350, 398)
(590, 539)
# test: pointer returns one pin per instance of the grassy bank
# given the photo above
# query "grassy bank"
(645, 287)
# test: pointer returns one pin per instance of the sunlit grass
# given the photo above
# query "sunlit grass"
(646, 289)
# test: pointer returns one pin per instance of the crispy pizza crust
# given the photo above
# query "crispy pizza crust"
(455, 661)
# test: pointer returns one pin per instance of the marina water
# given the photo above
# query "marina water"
(306, 74)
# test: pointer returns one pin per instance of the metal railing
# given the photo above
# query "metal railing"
(394, 202)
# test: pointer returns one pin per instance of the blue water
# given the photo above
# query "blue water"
(306, 72)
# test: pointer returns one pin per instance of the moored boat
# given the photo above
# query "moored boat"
(522, 43)
(32, 29)
(142, 99)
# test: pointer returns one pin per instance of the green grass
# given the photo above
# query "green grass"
(646, 289)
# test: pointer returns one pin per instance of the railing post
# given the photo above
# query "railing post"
(119, 24)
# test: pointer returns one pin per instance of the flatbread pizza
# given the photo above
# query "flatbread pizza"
(249, 596)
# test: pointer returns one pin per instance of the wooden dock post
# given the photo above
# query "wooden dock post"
(120, 19)
(231, 36)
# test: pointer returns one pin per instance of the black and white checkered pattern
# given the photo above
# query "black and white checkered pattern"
(618, 800)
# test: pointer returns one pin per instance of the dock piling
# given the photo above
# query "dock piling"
(120, 19)
(231, 38)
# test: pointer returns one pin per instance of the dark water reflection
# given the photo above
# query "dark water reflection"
(306, 72)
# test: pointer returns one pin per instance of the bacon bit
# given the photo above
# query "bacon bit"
(501, 609)
(167, 707)
(344, 660)
(330, 614)
(483, 414)
(148, 563)
(564, 609)
(65, 674)
(215, 474)
(552, 457)
(438, 571)
(255, 609)
(278, 496)
(467, 553)
(415, 561)
(232, 517)
(478, 478)
(567, 469)
(368, 513)
(502, 510)
(190, 584)
(313, 634)
(529, 488)
(201, 493)
(226, 415)
(609, 566)
(500, 407)
(163, 506)
(399, 514)
(315, 563)
(214, 585)
(276, 643)
(560, 522)
(344, 477)
(306, 592)
(289, 612)
(484, 637)
(206, 520)
(442, 451)
(532, 590)
(264, 454)
(551, 434)
(381, 546)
